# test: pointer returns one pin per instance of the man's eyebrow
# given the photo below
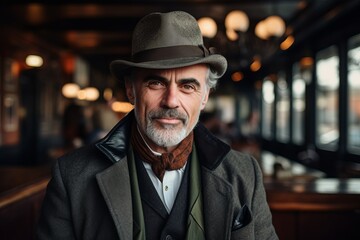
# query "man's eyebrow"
(165, 80)
(155, 77)
(189, 80)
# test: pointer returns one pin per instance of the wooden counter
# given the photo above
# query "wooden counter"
(21, 196)
(317, 209)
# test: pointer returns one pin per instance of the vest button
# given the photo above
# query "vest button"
(169, 237)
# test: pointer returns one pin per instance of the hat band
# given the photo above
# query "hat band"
(164, 53)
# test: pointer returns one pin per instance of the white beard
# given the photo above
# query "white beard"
(167, 137)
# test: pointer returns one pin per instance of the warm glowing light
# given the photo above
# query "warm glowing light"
(123, 107)
(287, 43)
(68, 62)
(91, 93)
(275, 26)
(70, 90)
(306, 62)
(237, 20)
(237, 76)
(108, 94)
(271, 26)
(261, 31)
(81, 95)
(34, 61)
(255, 65)
(208, 27)
(15, 68)
(231, 34)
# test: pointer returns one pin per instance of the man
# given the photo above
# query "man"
(159, 174)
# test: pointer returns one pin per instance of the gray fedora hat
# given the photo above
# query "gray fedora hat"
(168, 40)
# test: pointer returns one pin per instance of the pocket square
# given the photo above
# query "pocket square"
(242, 219)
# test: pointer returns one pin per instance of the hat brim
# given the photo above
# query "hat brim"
(217, 63)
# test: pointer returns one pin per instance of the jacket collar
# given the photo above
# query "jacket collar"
(210, 149)
(115, 144)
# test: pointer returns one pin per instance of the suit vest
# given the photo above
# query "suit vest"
(159, 224)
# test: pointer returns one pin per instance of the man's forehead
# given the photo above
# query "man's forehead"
(189, 71)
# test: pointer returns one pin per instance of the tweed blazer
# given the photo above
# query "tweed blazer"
(89, 195)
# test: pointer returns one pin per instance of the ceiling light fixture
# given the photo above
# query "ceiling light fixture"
(251, 48)
(272, 26)
(287, 43)
(237, 76)
(275, 26)
(208, 27)
(70, 90)
(255, 65)
(34, 61)
(237, 20)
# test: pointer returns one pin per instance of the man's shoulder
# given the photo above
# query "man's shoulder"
(241, 159)
(239, 164)
(79, 154)
(86, 158)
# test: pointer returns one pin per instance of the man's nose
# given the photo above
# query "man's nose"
(171, 97)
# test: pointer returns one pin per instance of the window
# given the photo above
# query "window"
(354, 95)
(282, 109)
(298, 108)
(267, 108)
(327, 94)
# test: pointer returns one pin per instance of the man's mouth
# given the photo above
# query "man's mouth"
(168, 117)
(169, 120)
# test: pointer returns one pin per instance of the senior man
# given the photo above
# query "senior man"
(159, 174)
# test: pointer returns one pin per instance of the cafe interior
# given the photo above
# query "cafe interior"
(290, 97)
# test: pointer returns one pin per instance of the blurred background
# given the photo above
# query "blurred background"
(290, 97)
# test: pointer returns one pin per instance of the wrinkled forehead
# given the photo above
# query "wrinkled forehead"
(199, 72)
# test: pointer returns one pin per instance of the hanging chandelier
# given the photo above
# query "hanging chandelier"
(252, 47)
(272, 26)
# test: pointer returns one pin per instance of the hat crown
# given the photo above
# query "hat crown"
(159, 30)
(167, 41)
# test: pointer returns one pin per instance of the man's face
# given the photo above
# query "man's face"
(168, 103)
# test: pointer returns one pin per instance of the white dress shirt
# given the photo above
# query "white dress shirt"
(169, 187)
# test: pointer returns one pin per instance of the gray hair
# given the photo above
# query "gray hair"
(212, 79)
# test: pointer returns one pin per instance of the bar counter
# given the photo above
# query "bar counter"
(324, 208)
(13, 177)
(22, 190)
(317, 195)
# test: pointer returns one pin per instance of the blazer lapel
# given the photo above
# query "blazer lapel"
(114, 183)
(218, 205)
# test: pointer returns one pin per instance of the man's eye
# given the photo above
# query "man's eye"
(155, 84)
(188, 88)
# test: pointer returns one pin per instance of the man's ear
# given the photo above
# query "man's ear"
(129, 87)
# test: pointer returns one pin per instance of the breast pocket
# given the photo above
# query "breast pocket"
(243, 227)
(244, 233)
